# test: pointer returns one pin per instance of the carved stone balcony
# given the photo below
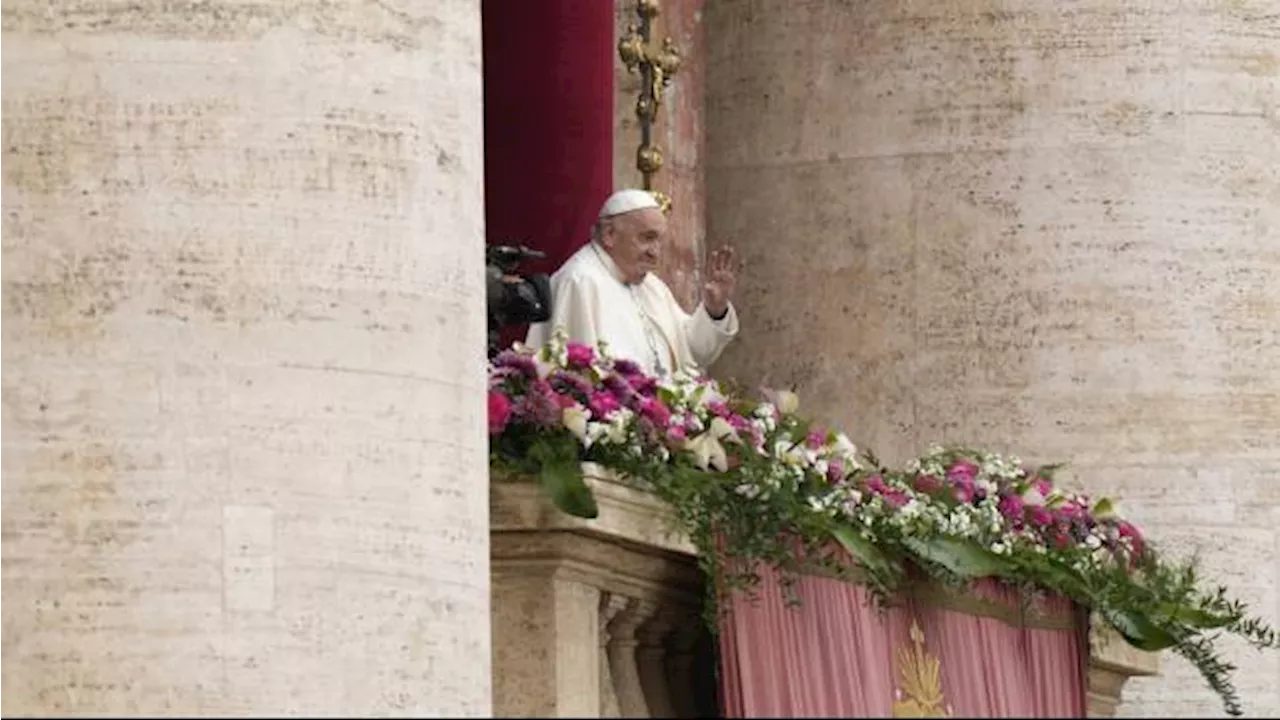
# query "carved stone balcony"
(601, 618)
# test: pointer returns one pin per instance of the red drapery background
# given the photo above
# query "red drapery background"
(548, 123)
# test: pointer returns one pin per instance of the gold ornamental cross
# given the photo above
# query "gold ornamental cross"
(656, 68)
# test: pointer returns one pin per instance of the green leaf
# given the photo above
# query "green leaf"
(1195, 617)
(1139, 630)
(560, 475)
(564, 484)
(961, 557)
(862, 550)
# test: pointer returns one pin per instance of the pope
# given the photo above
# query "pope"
(608, 291)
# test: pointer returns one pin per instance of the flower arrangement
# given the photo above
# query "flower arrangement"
(753, 482)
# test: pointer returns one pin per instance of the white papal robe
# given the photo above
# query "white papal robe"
(641, 322)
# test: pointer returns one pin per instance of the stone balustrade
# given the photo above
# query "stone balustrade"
(602, 618)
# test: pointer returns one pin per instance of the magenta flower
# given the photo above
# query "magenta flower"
(963, 489)
(626, 367)
(655, 411)
(835, 472)
(643, 384)
(621, 390)
(540, 405)
(895, 497)
(1042, 486)
(1012, 509)
(579, 386)
(927, 484)
(739, 423)
(962, 470)
(815, 439)
(677, 434)
(602, 405)
(1040, 517)
(499, 412)
(1130, 531)
(579, 355)
(719, 409)
(521, 363)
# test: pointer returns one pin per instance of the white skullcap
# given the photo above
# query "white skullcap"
(625, 201)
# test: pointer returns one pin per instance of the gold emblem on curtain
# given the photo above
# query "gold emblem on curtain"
(919, 692)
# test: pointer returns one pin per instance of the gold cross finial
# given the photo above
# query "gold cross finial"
(656, 68)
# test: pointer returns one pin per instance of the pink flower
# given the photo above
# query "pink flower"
(926, 484)
(676, 434)
(540, 405)
(896, 497)
(1042, 486)
(603, 405)
(499, 412)
(1011, 508)
(962, 470)
(1040, 517)
(719, 409)
(963, 489)
(891, 495)
(626, 367)
(643, 384)
(519, 362)
(739, 423)
(579, 355)
(835, 472)
(1130, 531)
(815, 439)
(655, 411)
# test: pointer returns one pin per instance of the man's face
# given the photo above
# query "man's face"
(634, 241)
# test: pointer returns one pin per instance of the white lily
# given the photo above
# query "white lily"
(707, 449)
(574, 418)
(788, 402)
(1032, 496)
(843, 446)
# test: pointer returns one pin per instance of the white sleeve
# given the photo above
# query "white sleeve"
(707, 337)
(575, 307)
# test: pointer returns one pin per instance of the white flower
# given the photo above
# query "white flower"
(788, 402)
(574, 418)
(1032, 496)
(617, 433)
(843, 446)
(707, 449)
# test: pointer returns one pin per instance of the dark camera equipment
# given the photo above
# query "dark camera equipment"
(514, 299)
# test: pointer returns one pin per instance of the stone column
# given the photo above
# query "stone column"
(243, 474)
(1048, 228)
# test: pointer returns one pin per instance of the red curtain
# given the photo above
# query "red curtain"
(548, 123)
(961, 656)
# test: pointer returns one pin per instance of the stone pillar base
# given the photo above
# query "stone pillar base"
(590, 615)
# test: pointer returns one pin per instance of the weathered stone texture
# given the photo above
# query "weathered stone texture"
(244, 447)
(1048, 228)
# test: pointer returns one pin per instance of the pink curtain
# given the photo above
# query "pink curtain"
(979, 654)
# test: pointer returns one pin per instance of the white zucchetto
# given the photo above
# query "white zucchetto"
(625, 201)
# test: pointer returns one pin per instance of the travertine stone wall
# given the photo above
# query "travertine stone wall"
(244, 447)
(1050, 228)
